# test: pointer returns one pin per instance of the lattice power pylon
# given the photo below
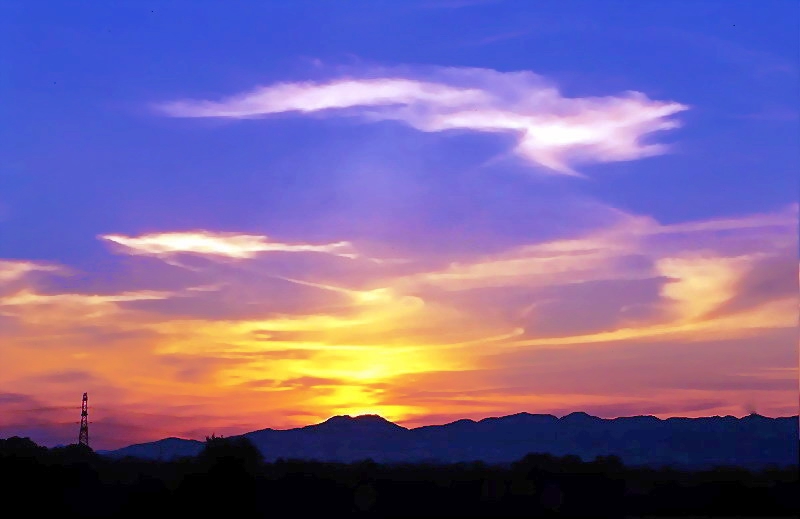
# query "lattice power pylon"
(83, 435)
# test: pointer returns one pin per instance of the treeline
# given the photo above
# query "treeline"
(229, 477)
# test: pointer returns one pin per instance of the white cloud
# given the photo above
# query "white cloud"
(227, 245)
(312, 97)
(553, 131)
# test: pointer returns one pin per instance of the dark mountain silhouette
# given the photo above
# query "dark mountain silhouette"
(753, 441)
(166, 449)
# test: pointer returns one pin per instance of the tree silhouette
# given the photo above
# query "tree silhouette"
(226, 479)
(230, 479)
(233, 452)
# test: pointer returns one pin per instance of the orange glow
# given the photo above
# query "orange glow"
(422, 347)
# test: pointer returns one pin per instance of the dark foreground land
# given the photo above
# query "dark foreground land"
(230, 479)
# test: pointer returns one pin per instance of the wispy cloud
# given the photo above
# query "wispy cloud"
(551, 130)
(713, 277)
(11, 270)
(217, 244)
(32, 307)
(29, 298)
(605, 253)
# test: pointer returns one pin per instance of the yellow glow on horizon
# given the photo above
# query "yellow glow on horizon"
(413, 344)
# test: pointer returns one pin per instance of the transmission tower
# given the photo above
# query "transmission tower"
(83, 435)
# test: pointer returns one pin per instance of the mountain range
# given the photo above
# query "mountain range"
(753, 441)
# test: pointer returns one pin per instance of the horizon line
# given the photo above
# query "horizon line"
(354, 417)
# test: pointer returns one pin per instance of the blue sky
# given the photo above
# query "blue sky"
(412, 155)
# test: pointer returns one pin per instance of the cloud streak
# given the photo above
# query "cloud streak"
(550, 130)
(217, 244)
(11, 270)
(50, 309)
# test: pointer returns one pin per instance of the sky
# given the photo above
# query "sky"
(218, 217)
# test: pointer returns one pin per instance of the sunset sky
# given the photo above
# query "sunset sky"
(226, 216)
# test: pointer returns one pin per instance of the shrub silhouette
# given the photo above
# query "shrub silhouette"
(236, 451)
(20, 447)
(224, 480)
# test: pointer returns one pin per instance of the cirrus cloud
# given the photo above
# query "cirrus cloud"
(219, 244)
(551, 130)
(11, 270)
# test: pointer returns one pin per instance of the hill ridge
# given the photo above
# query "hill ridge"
(749, 441)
